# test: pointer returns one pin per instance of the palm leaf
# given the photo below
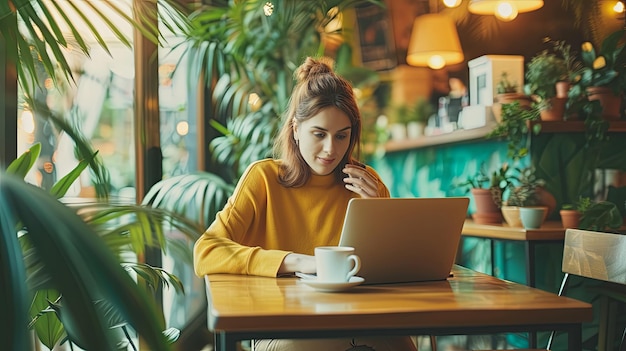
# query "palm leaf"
(43, 21)
(198, 195)
(48, 327)
(80, 265)
(243, 51)
(12, 278)
(23, 164)
(60, 188)
(155, 277)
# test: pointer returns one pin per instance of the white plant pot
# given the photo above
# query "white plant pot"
(415, 129)
(398, 131)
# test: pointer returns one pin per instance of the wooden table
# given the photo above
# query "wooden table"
(550, 232)
(249, 307)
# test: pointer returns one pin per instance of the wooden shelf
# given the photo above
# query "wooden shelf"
(549, 231)
(576, 126)
(462, 135)
(440, 139)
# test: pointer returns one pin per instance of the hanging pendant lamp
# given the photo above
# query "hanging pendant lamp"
(434, 42)
(490, 7)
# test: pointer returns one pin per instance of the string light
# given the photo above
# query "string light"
(182, 128)
(452, 3)
(268, 9)
(27, 122)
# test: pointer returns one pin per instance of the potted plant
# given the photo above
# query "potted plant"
(487, 190)
(602, 216)
(515, 125)
(602, 76)
(398, 119)
(508, 92)
(543, 72)
(573, 67)
(527, 191)
(571, 213)
(418, 115)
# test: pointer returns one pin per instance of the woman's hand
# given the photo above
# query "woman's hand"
(294, 262)
(360, 181)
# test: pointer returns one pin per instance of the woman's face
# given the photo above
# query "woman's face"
(323, 139)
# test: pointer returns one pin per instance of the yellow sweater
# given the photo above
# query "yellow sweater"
(263, 221)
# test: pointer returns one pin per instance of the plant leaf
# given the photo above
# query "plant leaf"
(23, 164)
(82, 268)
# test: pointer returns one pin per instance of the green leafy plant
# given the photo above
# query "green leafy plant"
(581, 205)
(35, 32)
(242, 51)
(497, 182)
(421, 110)
(596, 127)
(505, 86)
(58, 251)
(601, 216)
(515, 127)
(573, 66)
(524, 191)
(543, 71)
(604, 67)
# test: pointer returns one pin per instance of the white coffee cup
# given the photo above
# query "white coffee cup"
(336, 264)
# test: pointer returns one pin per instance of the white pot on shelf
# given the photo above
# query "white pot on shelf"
(398, 131)
(415, 129)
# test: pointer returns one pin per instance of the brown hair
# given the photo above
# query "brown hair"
(317, 88)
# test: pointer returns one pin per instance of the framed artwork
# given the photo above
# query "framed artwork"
(376, 39)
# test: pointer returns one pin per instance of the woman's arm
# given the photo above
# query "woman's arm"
(229, 245)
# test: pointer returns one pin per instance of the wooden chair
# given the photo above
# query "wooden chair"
(600, 256)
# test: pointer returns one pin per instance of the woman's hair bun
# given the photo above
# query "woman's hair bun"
(312, 67)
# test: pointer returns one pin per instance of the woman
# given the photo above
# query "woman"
(283, 208)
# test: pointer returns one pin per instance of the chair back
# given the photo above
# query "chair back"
(595, 255)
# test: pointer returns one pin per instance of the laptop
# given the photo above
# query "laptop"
(403, 240)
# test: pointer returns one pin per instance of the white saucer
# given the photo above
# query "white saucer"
(330, 286)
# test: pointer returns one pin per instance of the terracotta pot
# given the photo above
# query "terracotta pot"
(525, 101)
(555, 112)
(487, 211)
(487, 218)
(484, 201)
(611, 103)
(562, 89)
(570, 218)
(545, 198)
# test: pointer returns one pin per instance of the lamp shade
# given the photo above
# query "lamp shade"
(434, 42)
(489, 7)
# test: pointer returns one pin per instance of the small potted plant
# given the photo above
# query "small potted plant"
(602, 76)
(398, 118)
(417, 117)
(487, 190)
(571, 213)
(601, 216)
(508, 92)
(528, 191)
(543, 72)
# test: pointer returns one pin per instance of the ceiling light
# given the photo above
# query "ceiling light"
(434, 42)
(490, 7)
(506, 11)
(452, 3)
